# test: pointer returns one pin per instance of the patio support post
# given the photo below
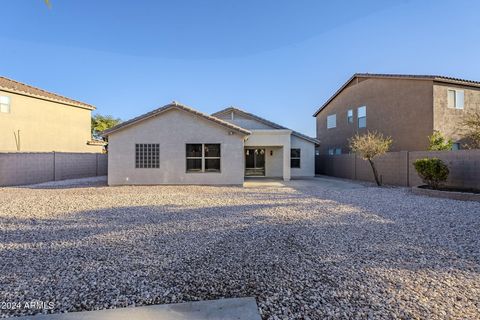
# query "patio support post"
(286, 161)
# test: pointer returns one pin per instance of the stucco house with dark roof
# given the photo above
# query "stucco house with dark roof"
(176, 144)
(35, 120)
(406, 107)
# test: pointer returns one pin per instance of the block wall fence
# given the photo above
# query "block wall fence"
(396, 168)
(20, 168)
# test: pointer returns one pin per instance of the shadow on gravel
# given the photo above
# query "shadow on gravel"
(311, 252)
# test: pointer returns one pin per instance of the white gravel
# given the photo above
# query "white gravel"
(304, 251)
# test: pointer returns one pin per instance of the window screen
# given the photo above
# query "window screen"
(331, 121)
(294, 158)
(147, 155)
(362, 117)
(4, 104)
(350, 116)
(456, 98)
(459, 99)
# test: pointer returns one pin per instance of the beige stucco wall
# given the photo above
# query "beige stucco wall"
(45, 126)
(448, 120)
(173, 129)
(243, 121)
(400, 108)
(307, 158)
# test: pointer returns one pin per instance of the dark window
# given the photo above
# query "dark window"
(212, 157)
(212, 165)
(194, 150)
(294, 158)
(194, 165)
(147, 155)
(203, 157)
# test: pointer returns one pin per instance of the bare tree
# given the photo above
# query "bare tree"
(471, 130)
(370, 145)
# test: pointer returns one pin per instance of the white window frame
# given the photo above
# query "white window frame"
(350, 116)
(458, 99)
(5, 104)
(360, 116)
(203, 158)
(332, 121)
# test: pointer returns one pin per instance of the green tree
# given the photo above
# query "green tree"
(370, 146)
(101, 123)
(471, 128)
(438, 142)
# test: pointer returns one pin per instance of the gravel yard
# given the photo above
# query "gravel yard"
(304, 251)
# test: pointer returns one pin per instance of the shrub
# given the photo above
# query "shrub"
(433, 171)
(438, 142)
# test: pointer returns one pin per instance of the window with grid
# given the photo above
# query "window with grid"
(362, 117)
(294, 158)
(147, 155)
(203, 157)
(4, 104)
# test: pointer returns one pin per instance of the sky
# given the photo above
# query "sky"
(278, 59)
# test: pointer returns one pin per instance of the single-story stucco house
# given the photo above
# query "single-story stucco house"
(176, 144)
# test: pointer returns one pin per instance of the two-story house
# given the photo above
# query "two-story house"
(35, 120)
(407, 108)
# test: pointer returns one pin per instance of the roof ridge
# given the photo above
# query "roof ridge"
(268, 122)
(45, 92)
(174, 104)
(398, 75)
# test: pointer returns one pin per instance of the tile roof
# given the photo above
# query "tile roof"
(400, 76)
(22, 88)
(169, 106)
(267, 122)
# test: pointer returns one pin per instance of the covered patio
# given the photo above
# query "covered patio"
(267, 154)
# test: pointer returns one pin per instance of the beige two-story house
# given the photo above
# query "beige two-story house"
(407, 108)
(35, 120)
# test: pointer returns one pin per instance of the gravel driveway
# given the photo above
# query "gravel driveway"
(304, 251)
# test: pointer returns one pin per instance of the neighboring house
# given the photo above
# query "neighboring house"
(406, 107)
(179, 145)
(34, 120)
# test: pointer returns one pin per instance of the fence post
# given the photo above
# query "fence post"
(408, 169)
(355, 166)
(54, 167)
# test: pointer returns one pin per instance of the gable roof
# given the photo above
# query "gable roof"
(25, 89)
(437, 78)
(174, 105)
(267, 122)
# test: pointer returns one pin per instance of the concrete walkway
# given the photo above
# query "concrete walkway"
(223, 309)
(318, 181)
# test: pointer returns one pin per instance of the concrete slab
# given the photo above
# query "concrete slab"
(223, 309)
(318, 181)
(263, 182)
